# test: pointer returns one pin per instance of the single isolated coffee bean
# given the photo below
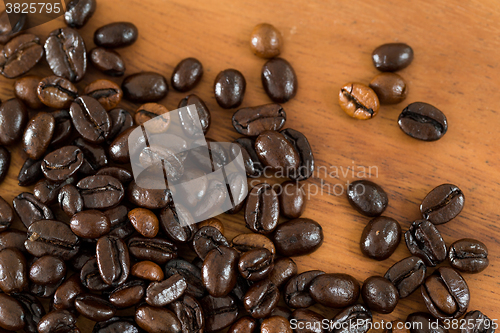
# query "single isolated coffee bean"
(468, 255)
(229, 88)
(187, 74)
(90, 224)
(156, 249)
(30, 172)
(118, 148)
(298, 237)
(6, 215)
(107, 61)
(423, 121)
(190, 125)
(266, 41)
(219, 271)
(392, 57)
(261, 299)
(144, 221)
(303, 148)
(284, 269)
(425, 241)
(252, 121)
(380, 238)
(94, 308)
(117, 34)
(8, 30)
(144, 87)
(56, 92)
(128, 294)
(367, 197)
(442, 204)
(105, 92)
(296, 291)
(12, 314)
(65, 295)
(61, 164)
(359, 101)
(90, 119)
(20, 55)
(100, 192)
(256, 264)
(335, 290)
(407, 275)
(279, 80)
(38, 134)
(276, 152)
(147, 270)
(13, 271)
(262, 209)
(13, 239)
(4, 162)
(243, 325)
(292, 199)
(78, 12)
(354, 319)
(379, 294)
(61, 320)
(14, 117)
(25, 89)
(113, 260)
(51, 237)
(389, 87)
(480, 322)
(166, 291)
(30, 210)
(157, 319)
(47, 270)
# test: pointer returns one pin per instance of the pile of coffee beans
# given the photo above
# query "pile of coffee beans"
(100, 246)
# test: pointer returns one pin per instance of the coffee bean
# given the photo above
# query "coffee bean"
(229, 88)
(266, 41)
(117, 324)
(354, 319)
(30, 172)
(91, 277)
(56, 92)
(6, 215)
(148, 198)
(279, 80)
(128, 294)
(118, 149)
(63, 129)
(407, 275)
(4, 162)
(94, 307)
(261, 299)
(262, 209)
(149, 113)
(177, 222)
(367, 197)
(46, 191)
(166, 291)
(20, 55)
(145, 87)
(113, 259)
(66, 54)
(105, 92)
(276, 152)
(121, 120)
(59, 321)
(33, 311)
(94, 157)
(29, 209)
(13, 119)
(12, 314)
(190, 272)
(25, 89)
(292, 200)
(51, 237)
(8, 30)
(206, 239)
(123, 175)
(468, 255)
(12, 239)
(298, 237)
(144, 221)
(157, 320)
(47, 270)
(389, 87)
(379, 294)
(157, 250)
(246, 146)
(62, 163)
(90, 119)
(423, 121)
(284, 269)
(90, 224)
(187, 74)
(190, 314)
(480, 322)
(219, 271)
(79, 12)
(303, 148)
(13, 271)
(100, 192)
(252, 121)
(425, 241)
(220, 312)
(392, 57)
(256, 264)
(107, 61)
(275, 324)
(442, 204)
(66, 294)
(335, 290)
(446, 294)
(117, 34)
(359, 101)
(244, 325)
(38, 134)
(380, 238)
(147, 270)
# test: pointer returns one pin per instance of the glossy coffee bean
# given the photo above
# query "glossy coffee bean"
(66, 54)
(147, 270)
(29, 209)
(229, 88)
(90, 224)
(392, 57)
(407, 275)
(446, 294)
(12, 238)
(248, 242)
(307, 321)
(4, 162)
(148, 198)
(379, 294)
(275, 324)
(46, 191)
(190, 272)
(145, 87)
(14, 118)
(276, 152)
(25, 89)
(354, 319)
(127, 294)
(187, 74)
(51, 237)
(63, 129)
(359, 101)
(380, 238)
(61, 164)
(256, 264)
(65, 295)
(468, 255)
(33, 311)
(284, 269)
(303, 148)
(296, 291)
(6, 215)
(177, 223)
(56, 92)
(335, 290)
(144, 221)
(189, 312)
(117, 34)
(279, 80)
(262, 209)
(423, 121)
(149, 113)
(442, 204)
(220, 270)
(292, 200)
(60, 321)
(100, 192)
(261, 299)
(157, 249)
(90, 119)
(8, 30)
(157, 320)
(13, 271)
(20, 55)
(105, 92)
(91, 277)
(70, 200)
(246, 146)
(206, 239)
(298, 237)
(30, 172)
(244, 325)
(94, 307)
(367, 197)
(118, 149)
(188, 119)
(113, 259)
(107, 61)
(266, 41)
(166, 291)
(252, 121)
(38, 134)
(79, 12)
(47, 270)
(12, 314)
(389, 87)
(425, 241)
(480, 323)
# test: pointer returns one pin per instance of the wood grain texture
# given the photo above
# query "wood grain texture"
(456, 68)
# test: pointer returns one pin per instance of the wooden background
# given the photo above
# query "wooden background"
(456, 68)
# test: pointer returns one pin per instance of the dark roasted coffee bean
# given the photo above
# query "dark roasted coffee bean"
(284, 269)
(253, 121)
(261, 299)
(13, 117)
(63, 128)
(38, 134)
(358, 101)
(167, 291)
(59, 321)
(107, 61)
(220, 270)
(47, 270)
(423, 121)
(248, 242)
(10, 30)
(62, 163)
(4, 162)
(188, 119)
(100, 192)
(117, 34)
(367, 197)
(90, 119)
(392, 57)
(46, 191)
(56, 92)
(307, 321)
(113, 259)
(105, 92)
(90, 224)
(256, 264)
(206, 239)
(144, 221)
(354, 319)
(275, 324)
(120, 120)
(12, 314)
(33, 311)
(379, 294)
(276, 152)
(25, 89)
(149, 111)
(118, 149)
(422, 322)
(246, 146)
(177, 223)
(266, 41)
(66, 54)
(187, 74)
(13, 271)
(29, 209)
(147, 270)
(20, 55)
(65, 295)
(380, 238)
(190, 314)
(6, 215)
(480, 323)
(389, 87)
(94, 307)
(91, 277)
(94, 156)
(145, 87)
(30, 172)
(297, 289)
(279, 80)
(229, 88)
(244, 325)
(220, 312)
(335, 290)
(51, 237)
(127, 294)
(407, 275)
(303, 148)
(446, 294)
(468, 255)
(425, 241)
(117, 325)
(157, 320)
(12, 239)
(157, 250)
(262, 209)
(148, 198)
(78, 12)
(190, 272)
(292, 199)
(442, 204)
(298, 237)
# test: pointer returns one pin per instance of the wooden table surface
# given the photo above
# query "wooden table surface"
(456, 68)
